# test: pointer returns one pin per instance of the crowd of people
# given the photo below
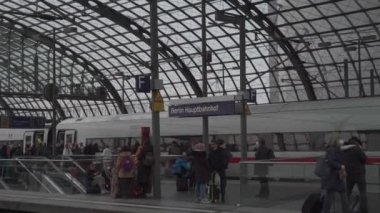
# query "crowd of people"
(129, 175)
(203, 169)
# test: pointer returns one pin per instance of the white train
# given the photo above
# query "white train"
(295, 129)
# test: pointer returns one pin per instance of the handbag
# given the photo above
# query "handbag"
(322, 168)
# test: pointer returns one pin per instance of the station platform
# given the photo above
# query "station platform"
(172, 201)
(281, 201)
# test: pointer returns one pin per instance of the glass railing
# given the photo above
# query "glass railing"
(289, 183)
(38, 174)
(286, 185)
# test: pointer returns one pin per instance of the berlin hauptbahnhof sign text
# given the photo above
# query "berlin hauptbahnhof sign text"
(205, 106)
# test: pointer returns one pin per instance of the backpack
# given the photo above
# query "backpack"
(128, 163)
(322, 169)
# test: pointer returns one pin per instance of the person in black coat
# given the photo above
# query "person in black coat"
(334, 182)
(354, 160)
(261, 170)
(201, 172)
(144, 156)
(218, 160)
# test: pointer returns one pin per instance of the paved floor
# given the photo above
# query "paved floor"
(286, 197)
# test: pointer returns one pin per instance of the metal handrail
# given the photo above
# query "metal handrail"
(51, 182)
(33, 175)
(4, 185)
(65, 175)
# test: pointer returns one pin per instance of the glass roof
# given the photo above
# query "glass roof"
(295, 51)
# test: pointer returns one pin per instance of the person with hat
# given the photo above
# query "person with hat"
(201, 172)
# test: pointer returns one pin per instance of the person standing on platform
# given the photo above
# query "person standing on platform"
(125, 172)
(354, 160)
(201, 172)
(334, 182)
(261, 170)
(218, 160)
(67, 150)
(145, 159)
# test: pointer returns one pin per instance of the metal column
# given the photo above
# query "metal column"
(204, 73)
(155, 115)
(346, 86)
(54, 100)
(243, 116)
(361, 91)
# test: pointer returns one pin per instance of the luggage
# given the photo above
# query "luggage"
(214, 188)
(354, 206)
(313, 204)
(214, 193)
(322, 169)
(182, 184)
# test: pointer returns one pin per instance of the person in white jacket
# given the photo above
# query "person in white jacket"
(107, 158)
(67, 150)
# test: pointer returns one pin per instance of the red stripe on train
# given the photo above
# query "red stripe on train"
(370, 160)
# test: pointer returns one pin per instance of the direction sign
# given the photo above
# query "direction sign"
(142, 83)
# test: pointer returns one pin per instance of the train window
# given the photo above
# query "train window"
(28, 139)
(69, 139)
(61, 137)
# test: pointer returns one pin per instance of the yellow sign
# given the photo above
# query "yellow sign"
(4, 122)
(158, 102)
(247, 111)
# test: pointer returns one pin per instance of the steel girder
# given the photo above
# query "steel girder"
(7, 108)
(35, 35)
(270, 28)
(144, 35)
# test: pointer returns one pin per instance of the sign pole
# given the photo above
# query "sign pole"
(155, 113)
(204, 74)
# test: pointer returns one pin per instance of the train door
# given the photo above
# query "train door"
(70, 137)
(33, 139)
(28, 140)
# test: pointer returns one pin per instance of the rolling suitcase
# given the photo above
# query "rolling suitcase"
(313, 203)
(354, 206)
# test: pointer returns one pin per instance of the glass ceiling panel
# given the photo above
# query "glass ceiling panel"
(317, 33)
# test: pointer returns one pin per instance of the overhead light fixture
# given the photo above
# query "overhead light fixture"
(324, 44)
(350, 48)
(68, 30)
(368, 38)
(221, 15)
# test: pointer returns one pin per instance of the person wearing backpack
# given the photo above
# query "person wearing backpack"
(218, 160)
(125, 167)
(261, 170)
(334, 182)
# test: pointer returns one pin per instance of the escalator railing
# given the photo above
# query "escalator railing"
(40, 174)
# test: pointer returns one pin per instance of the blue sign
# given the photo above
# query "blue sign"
(21, 122)
(201, 109)
(142, 83)
(26, 122)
